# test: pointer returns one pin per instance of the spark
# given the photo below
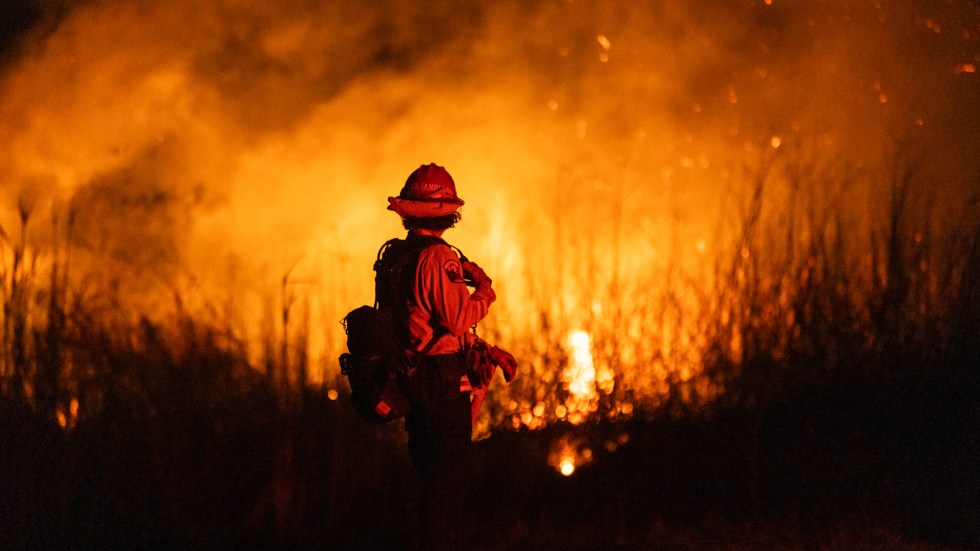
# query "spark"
(732, 95)
(67, 420)
(606, 45)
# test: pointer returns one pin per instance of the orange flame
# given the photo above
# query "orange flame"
(241, 163)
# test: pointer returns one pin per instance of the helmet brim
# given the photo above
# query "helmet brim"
(423, 209)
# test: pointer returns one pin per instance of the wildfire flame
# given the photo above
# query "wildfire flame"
(231, 160)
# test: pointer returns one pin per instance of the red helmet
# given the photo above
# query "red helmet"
(428, 192)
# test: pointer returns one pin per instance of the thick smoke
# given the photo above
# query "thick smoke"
(215, 148)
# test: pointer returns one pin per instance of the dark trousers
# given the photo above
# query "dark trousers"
(439, 439)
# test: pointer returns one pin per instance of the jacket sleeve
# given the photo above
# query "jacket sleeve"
(442, 291)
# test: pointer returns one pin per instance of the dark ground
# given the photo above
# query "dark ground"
(831, 469)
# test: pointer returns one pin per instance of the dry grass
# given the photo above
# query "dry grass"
(819, 393)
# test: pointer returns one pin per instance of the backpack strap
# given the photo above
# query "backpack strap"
(395, 274)
(378, 267)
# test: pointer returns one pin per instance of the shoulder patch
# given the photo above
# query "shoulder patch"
(454, 271)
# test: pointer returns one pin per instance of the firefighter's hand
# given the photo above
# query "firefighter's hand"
(476, 273)
(481, 374)
(505, 361)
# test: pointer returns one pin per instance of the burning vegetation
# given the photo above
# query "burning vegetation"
(758, 217)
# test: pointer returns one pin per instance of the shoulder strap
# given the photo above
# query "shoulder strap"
(382, 269)
(395, 275)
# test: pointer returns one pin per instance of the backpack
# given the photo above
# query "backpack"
(378, 363)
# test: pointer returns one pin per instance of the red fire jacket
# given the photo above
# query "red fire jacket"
(443, 308)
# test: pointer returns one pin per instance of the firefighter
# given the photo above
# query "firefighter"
(440, 311)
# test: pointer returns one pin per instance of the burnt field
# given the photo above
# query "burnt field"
(204, 453)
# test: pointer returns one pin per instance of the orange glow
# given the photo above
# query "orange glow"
(236, 169)
(580, 374)
(67, 419)
(568, 453)
(583, 379)
(732, 95)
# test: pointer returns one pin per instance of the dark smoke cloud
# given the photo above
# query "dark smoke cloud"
(16, 19)
(23, 23)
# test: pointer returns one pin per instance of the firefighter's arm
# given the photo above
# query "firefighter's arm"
(441, 278)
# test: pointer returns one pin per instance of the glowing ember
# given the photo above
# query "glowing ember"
(569, 453)
(67, 419)
(732, 95)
